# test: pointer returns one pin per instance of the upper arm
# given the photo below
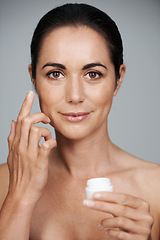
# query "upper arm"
(154, 188)
(4, 182)
(158, 191)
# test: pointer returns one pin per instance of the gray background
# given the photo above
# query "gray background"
(135, 116)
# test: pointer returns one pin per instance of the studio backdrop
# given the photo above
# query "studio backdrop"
(134, 121)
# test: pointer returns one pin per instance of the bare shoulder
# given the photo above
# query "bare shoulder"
(145, 173)
(145, 170)
(150, 176)
(148, 171)
(4, 182)
(147, 176)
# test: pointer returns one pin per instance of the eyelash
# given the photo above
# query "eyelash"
(52, 72)
(96, 73)
(59, 72)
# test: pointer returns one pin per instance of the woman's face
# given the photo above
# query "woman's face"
(75, 81)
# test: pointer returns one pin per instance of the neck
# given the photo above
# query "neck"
(85, 158)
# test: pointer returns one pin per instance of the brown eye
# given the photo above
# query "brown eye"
(55, 75)
(92, 75)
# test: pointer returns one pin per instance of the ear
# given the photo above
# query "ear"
(122, 71)
(30, 73)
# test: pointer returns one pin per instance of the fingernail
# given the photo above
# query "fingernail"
(49, 119)
(29, 94)
(97, 195)
(88, 203)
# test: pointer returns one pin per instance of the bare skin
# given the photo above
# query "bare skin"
(46, 189)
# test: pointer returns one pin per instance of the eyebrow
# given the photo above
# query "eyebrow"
(90, 65)
(54, 65)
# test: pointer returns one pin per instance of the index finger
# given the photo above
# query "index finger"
(120, 198)
(26, 106)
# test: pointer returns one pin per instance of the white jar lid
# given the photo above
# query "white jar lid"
(98, 185)
(98, 181)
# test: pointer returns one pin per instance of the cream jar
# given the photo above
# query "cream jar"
(101, 184)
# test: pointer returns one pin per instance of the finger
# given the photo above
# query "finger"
(120, 198)
(26, 124)
(24, 112)
(26, 106)
(125, 224)
(118, 234)
(36, 133)
(46, 148)
(116, 209)
(11, 135)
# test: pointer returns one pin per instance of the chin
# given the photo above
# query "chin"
(73, 133)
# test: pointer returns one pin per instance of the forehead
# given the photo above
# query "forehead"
(74, 42)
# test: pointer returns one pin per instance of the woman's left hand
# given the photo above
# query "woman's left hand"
(131, 218)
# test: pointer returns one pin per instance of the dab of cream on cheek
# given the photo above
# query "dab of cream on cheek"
(98, 185)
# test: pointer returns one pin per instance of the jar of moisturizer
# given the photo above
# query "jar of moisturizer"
(98, 185)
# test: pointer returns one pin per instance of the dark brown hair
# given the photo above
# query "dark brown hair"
(79, 15)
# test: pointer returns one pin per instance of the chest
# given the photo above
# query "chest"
(69, 221)
(62, 215)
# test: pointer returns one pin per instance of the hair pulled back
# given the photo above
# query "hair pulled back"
(78, 15)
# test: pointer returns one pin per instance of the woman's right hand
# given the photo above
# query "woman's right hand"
(27, 161)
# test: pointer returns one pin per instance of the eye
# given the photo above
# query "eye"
(54, 74)
(94, 75)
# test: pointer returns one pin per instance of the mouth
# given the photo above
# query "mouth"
(75, 116)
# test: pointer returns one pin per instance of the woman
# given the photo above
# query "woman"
(77, 68)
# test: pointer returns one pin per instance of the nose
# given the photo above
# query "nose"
(75, 90)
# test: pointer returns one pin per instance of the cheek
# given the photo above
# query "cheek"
(48, 97)
(103, 96)
(48, 102)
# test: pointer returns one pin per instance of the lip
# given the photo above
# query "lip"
(75, 116)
